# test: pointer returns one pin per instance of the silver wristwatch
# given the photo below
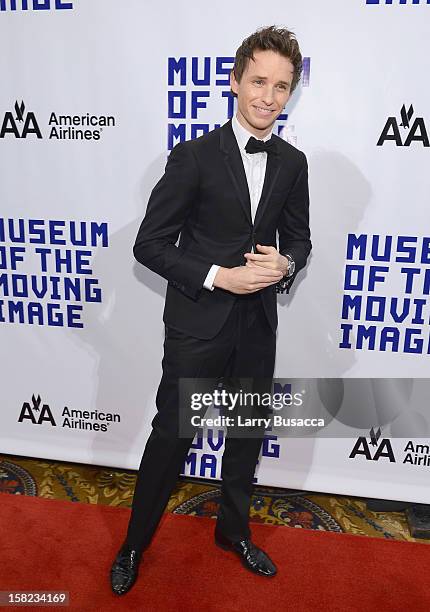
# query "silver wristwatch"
(291, 265)
(283, 285)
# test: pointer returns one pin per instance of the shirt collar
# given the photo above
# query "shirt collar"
(242, 134)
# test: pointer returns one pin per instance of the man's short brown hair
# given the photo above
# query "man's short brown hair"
(281, 40)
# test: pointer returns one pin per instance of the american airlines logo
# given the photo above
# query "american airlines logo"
(374, 449)
(22, 123)
(405, 130)
(35, 5)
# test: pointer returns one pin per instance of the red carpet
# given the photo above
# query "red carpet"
(61, 545)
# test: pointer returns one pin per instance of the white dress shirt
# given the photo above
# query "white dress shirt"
(255, 170)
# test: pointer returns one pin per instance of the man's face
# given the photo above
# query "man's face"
(263, 91)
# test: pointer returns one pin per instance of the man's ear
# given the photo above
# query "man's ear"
(233, 83)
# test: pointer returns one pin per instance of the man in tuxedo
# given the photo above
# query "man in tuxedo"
(226, 194)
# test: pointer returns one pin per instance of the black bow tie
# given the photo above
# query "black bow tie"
(258, 146)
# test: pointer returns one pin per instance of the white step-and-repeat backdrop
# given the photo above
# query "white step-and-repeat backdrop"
(94, 94)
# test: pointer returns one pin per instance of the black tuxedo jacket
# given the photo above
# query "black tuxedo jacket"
(203, 197)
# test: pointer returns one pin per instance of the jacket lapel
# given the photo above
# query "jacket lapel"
(234, 164)
(273, 165)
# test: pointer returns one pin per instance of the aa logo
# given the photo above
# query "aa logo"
(36, 413)
(20, 124)
(375, 449)
(414, 130)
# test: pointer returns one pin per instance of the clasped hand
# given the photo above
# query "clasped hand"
(261, 270)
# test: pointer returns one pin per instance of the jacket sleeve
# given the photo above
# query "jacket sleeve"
(169, 206)
(294, 232)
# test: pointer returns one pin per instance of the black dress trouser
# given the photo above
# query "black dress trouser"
(244, 347)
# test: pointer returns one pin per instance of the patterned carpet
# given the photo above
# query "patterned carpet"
(97, 485)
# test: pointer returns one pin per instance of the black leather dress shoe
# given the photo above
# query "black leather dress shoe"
(252, 557)
(124, 569)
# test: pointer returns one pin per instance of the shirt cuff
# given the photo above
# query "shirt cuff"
(208, 284)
